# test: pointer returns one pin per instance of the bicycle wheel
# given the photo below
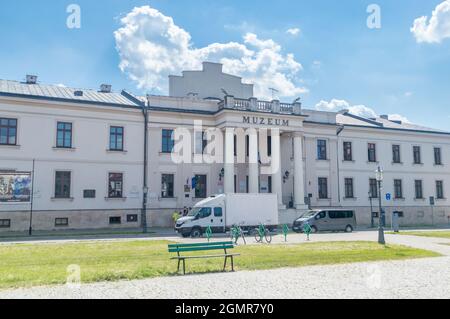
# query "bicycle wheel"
(257, 236)
(268, 237)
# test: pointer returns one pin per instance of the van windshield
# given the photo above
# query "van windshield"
(309, 214)
(200, 212)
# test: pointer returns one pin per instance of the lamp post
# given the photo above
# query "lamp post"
(372, 223)
(379, 177)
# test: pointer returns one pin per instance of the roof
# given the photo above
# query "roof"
(55, 92)
(382, 123)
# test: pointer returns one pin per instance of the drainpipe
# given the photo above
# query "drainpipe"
(145, 185)
(339, 131)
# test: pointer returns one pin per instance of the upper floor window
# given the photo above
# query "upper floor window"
(348, 154)
(398, 188)
(62, 184)
(167, 141)
(116, 138)
(349, 188)
(439, 189)
(417, 155)
(201, 186)
(372, 152)
(323, 188)
(269, 145)
(8, 131)
(437, 156)
(321, 149)
(167, 183)
(115, 185)
(396, 158)
(200, 142)
(64, 135)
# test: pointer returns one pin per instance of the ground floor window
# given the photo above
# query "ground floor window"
(323, 188)
(167, 182)
(349, 188)
(373, 188)
(439, 189)
(115, 185)
(62, 184)
(115, 220)
(201, 187)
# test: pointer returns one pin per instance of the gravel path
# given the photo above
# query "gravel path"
(423, 278)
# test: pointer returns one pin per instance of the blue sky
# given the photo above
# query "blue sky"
(387, 69)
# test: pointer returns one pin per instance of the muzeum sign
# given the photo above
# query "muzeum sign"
(258, 120)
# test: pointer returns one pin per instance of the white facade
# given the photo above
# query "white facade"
(90, 160)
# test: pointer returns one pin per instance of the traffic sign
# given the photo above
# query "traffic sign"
(388, 196)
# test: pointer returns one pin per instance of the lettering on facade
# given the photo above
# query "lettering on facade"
(264, 121)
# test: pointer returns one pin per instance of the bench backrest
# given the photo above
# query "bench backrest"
(178, 248)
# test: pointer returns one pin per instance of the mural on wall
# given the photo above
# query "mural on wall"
(15, 187)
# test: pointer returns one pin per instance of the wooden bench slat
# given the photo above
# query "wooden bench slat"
(192, 249)
(201, 257)
(201, 244)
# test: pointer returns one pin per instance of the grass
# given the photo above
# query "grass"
(24, 265)
(435, 234)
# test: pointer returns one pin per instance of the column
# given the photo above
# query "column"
(253, 176)
(276, 167)
(229, 161)
(299, 186)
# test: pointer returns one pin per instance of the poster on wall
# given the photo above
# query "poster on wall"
(15, 187)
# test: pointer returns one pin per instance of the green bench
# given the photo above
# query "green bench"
(180, 249)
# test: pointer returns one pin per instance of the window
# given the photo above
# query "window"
(64, 135)
(61, 222)
(167, 141)
(348, 154)
(416, 154)
(200, 142)
(132, 218)
(5, 223)
(439, 189)
(349, 188)
(373, 188)
(269, 145)
(340, 214)
(200, 188)
(269, 181)
(62, 184)
(115, 220)
(321, 150)
(204, 212)
(398, 189)
(372, 152)
(437, 156)
(116, 138)
(89, 193)
(247, 190)
(419, 189)
(115, 185)
(167, 182)
(396, 154)
(400, 214)
(323, 188)
(218, 212)
(8, 131)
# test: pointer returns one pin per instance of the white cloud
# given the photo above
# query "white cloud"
(435, 29)
(293, 31)
(336, 105)
(151, 47)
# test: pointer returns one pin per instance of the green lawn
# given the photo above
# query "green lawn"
(24, 265)
(435, 234)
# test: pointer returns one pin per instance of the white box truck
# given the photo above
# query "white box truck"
(221, 212)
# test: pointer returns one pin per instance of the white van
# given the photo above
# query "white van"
(224, 211)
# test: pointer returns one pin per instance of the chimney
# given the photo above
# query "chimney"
(78, 93)
(31, 79)
(384, 117)
(105, 88)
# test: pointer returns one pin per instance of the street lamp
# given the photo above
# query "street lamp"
(372, 223)
(379, 177)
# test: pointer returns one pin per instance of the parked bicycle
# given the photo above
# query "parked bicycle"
(236, 233)
(262, 233)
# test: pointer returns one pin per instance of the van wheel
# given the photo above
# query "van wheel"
(196, 233)
(314, 229)
(349, 229)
